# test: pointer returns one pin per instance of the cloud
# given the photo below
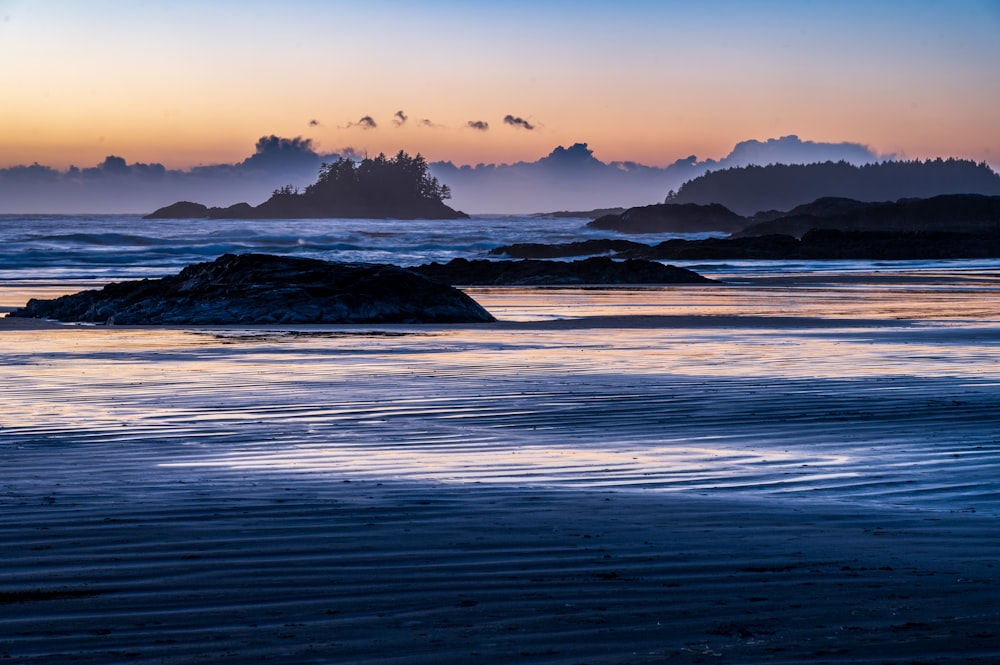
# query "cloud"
(366, 122)
(793, 150)
(429, 123)
(314, 123)
(117, 186)
(570, 178)
(399, 118)
(514, 121)
(479, 125)
(350, 152)
(277, 144)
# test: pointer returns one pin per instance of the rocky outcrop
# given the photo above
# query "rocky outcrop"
(672, 218)
(953, 226)
(953, 213)
(296, 208)
(815, 244)
(897, 245)
(598, 270)
(181, 210)
(677, 249)
(535, 250)
(266, 289)
(586, 214)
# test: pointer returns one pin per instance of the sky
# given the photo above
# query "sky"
(186, 83)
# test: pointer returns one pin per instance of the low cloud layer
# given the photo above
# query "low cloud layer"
(116, 186)
(569, 178)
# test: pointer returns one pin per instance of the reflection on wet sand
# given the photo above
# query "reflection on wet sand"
(709, 389)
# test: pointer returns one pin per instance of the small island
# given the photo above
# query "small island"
(381, 187)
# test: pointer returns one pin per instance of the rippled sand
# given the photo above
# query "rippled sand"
(708, 474)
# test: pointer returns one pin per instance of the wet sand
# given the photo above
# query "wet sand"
(661, 475)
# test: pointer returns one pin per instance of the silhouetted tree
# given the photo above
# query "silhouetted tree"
(400, 186)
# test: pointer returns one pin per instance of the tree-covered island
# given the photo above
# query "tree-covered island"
(381, 187)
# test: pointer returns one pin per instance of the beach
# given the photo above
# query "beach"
(780, 471)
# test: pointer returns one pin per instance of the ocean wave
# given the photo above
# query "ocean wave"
(120, 246)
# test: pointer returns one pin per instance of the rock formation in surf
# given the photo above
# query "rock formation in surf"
(953, 213)
(266, 289)
(597, 270)
(951, 226)
(816, 244)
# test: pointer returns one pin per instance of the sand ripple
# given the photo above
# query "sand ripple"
(719, 491)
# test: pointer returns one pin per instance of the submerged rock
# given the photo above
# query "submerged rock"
(263, 289)
(531, 272)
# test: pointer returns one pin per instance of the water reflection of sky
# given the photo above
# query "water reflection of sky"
(733, 399)
(923, 302)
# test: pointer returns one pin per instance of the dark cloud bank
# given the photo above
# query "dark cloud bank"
(566, 179)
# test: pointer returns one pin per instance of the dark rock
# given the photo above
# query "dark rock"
(952, 226)
(672, 218)
(760, 247)
(265, 289)
(531, 250)
(817, 244)
(586, 214)
(897, 245)
(529, 272)
(292, 208)
(236, 211)
(181, 210)
(836, 244)
(964, 213)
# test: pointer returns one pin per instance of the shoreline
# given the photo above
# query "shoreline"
(699, 474)
(494, 298)
(296, 568)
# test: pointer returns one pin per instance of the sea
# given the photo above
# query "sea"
(880, 387)
(52, 253)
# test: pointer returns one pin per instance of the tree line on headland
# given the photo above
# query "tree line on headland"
(748, 190)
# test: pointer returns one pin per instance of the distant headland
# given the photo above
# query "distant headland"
(399, 187)
(950, 226)
(750, 200)
(750, 190)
